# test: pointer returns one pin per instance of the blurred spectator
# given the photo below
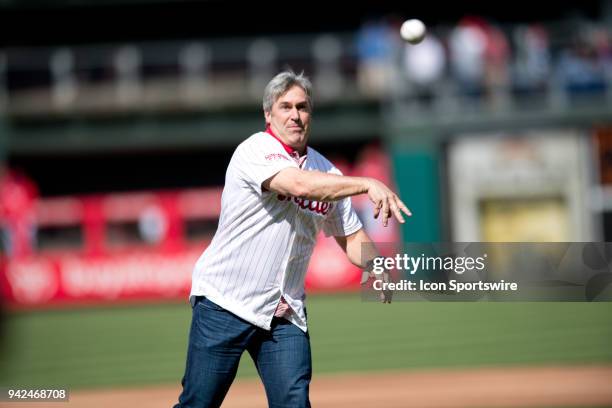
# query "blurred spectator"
(194, 62)
(497, 59)
(532, 59)
(377, 47)
(580, 68)
(18, 197)
(328, 78)
(467, 44)
(479, 54)
(424, 66)
(262, 57)
(602, 41)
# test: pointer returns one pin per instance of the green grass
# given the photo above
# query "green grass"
(147, 343)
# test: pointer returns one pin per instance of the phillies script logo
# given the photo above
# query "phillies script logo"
(305, 204)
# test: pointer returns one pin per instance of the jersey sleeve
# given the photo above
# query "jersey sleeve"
(343, 220)
(256, 162)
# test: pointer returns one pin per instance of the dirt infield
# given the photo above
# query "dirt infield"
(573, 386)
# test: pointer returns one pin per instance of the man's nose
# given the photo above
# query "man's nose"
(295, 114)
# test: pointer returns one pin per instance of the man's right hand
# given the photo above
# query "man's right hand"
(385, 201)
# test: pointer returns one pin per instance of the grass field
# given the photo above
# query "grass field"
(146, 344)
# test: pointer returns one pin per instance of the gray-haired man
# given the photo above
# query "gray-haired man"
(248, 286)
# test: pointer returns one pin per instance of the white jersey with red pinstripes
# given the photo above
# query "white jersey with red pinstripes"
(264, 240)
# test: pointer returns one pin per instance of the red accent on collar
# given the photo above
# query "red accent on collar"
(287, 148)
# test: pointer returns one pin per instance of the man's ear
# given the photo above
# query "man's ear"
(268, 117)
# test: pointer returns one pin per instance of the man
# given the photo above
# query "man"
(248, 285)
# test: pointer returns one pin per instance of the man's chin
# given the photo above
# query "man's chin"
(297, 137)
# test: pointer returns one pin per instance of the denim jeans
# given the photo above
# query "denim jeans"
(217, 339)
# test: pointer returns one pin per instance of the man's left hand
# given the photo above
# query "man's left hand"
(385, 295)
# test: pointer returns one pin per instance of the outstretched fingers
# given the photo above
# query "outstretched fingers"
(386, 202)
(377, 208)
(386, 212)
(397, 206)
(396, 212)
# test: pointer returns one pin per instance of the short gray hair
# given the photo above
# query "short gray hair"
(281, 83)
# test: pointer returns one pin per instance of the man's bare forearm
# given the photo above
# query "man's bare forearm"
(330, 187)
(359, 248)
(316, 185)
(320, 186)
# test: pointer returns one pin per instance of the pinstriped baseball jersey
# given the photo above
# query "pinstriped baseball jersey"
(264, 240)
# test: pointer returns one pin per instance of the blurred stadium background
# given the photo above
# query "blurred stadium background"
(117, 121)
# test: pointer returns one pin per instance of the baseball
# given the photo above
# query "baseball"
(413, 31)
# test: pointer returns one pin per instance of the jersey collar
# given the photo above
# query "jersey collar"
(292, 152)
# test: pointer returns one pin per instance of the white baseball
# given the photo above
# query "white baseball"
(413, 31)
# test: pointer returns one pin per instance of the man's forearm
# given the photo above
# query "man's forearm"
(330, 187)
(359, 248)
(316, 185)
(319, 186)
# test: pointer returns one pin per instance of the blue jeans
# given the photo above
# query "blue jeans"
(217, 339)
